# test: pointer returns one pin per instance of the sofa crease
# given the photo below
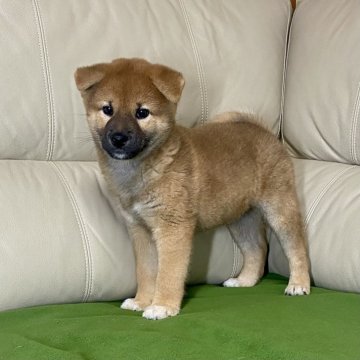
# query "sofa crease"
(89, 276)
(199, 66)
(49, 96)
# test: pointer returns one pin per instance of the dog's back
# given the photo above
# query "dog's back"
(234, 162)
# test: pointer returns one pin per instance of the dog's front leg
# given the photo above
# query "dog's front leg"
(173, 243)
(146, 268)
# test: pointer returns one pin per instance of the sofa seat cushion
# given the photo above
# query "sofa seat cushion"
(329, 194)
(62, 242)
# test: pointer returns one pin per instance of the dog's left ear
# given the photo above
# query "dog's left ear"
(88, 76)
(169, 82)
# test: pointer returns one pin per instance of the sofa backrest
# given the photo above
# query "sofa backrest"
(42, 117)
(322, 98)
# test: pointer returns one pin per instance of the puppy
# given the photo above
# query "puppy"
(170, 180)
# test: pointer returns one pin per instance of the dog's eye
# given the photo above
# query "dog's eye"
(142, 113)
(108, 110)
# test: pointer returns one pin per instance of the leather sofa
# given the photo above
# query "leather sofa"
(61, 240)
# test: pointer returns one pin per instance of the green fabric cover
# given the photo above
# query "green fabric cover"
(215, 323)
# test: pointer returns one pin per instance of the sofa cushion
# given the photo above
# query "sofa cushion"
(61, 241)
(322, 97)
(231, 53)
(330, 199)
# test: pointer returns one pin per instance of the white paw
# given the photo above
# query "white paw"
(232, 282)
(157, 312)
(240, 282)
(293, 289)
(131, 304)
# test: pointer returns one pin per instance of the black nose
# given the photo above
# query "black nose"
(118, 139)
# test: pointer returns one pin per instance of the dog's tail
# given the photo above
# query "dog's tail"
(235, 116)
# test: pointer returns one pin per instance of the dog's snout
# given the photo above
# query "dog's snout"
(118, 139)
(122, 137)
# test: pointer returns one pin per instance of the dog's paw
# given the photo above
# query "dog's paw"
(297, 289)
(240, 282)
(131, 304)
(232, 282)
(158, 312)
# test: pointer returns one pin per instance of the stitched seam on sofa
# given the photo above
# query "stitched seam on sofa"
(355, 119)
(285, 64)
(199, 66)
(84, 236)
(47, 79)
(236, 254)
(323, 192)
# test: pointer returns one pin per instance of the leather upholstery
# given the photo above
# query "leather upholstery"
(322, 123)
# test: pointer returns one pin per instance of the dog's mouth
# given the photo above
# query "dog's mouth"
(126, 150)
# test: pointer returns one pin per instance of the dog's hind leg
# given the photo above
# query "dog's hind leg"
(249, 234)
(283, 215)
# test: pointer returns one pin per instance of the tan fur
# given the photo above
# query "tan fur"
(231, 171)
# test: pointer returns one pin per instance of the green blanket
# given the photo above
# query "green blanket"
(215, 323)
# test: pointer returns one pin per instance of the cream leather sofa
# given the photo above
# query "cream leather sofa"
(60, 240)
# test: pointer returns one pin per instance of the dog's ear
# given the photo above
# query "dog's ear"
(169, 82)
(86, 77)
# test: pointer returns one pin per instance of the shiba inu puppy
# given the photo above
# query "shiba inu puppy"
(170, 180)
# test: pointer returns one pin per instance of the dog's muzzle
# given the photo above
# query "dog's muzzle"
(122, 137)
(122, 145)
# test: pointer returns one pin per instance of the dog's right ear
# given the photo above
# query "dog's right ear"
(88, 76)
